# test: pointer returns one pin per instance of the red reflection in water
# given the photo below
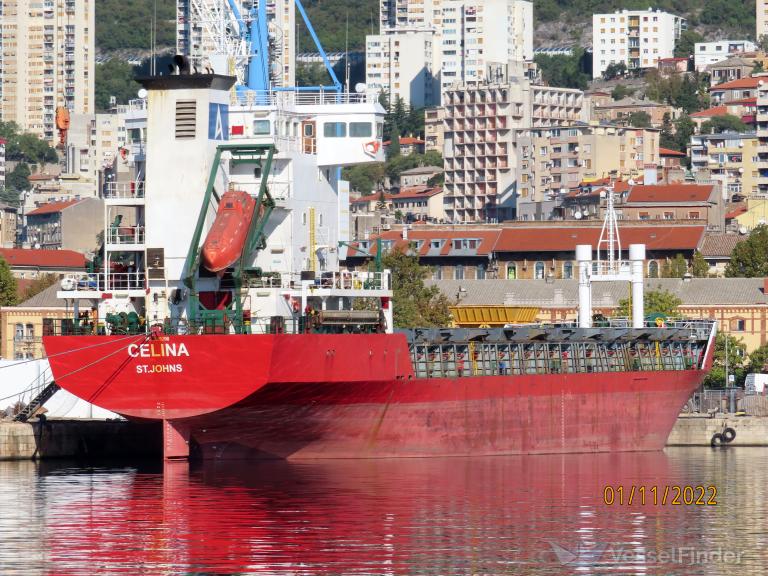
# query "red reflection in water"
(420, 516)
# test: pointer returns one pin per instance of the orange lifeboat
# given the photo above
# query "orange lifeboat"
(226, 238)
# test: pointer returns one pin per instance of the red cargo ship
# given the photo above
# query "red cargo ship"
(515, 390)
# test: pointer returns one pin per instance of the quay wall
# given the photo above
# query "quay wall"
(78, 438)
(698, 430)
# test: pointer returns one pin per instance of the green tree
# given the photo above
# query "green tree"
(667, 136)
(749, 258)
(394, 143)
(18, 178)
(655, 302)
(8, 288)
(686, 43)
(25, 147)
(127, 25)
(699, 265)
(364, 178)
(736, 354)
(9, 196)
(415, 305)
(563, 71)
(621, 91)
(639, 119)
(758, 360)
(114, 78)
(615, 70)
(684, 129)
(675, 268)
(724, 123)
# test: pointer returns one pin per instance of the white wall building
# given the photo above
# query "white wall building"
(761, 23)
(2, 163)
(400, 63)
(638, 38)
(47, 60)
(472, 41)
(706, 53)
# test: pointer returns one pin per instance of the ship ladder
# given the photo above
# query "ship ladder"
(37, 402)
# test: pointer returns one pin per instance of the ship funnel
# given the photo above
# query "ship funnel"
(181, 65)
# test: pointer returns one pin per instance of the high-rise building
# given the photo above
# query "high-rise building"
(637, 38)
(480, 132)
(203, 33)
(46, 61)
(729, 158)
(762, 133)
(464, 42)
(399, 63)
(2, 163)
(761, 13)
(706, 53)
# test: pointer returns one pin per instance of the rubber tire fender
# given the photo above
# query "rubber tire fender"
(728, 435)
(717, 440)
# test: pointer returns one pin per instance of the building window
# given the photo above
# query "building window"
(653, 269)
(693, 215)
(511, 272)
(481, 271)
(738, 325)
(30, 332)
(568, 270)
(437, 273)
(458, 272)
(538, 271)
(19, 332)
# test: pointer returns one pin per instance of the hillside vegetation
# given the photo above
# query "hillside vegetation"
(122, 25)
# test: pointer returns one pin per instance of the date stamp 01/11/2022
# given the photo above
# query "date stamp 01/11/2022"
(660, 495)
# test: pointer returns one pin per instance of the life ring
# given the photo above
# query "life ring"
(660, 322)
(372, 148)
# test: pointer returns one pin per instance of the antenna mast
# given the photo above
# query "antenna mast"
(609, 235)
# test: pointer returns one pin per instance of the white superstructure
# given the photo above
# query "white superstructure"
(638, 38)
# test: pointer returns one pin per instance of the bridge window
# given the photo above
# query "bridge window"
(335, 129)
(261, 128)
(360, 129)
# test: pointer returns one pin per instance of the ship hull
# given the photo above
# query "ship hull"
(354, 396)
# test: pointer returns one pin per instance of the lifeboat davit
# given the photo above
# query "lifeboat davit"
(225, 240)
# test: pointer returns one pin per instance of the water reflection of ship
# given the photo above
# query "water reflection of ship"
(405, 516)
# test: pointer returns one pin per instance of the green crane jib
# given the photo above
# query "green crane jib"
(376, 258)
(260, 155)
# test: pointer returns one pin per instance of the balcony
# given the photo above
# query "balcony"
(124, 193)
(126, 237)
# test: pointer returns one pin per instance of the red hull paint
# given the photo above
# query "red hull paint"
(311, 396)
(225, 240)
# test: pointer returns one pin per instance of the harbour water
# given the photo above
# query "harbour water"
(505, 515)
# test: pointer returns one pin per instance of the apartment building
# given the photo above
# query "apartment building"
(2, 163)
(762, 133)
(400, 64)
(761, 20)
(201, 29)
(46, 61)
(638, 38)
(551, 161)
(480, 124)
(8, 223)
(452, 42)
(730, 158)
(434, 129)
(706, 53)
(69, 225)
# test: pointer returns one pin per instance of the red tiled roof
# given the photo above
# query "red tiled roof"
(736, 212)
(668, 152)
(672, 59)
(671, 193)
(52, 207)
(42, 177)
(43, 258)
(415, 192)
(745, 101)
(748, 82)
(406, 141)
(618, 186)
(544, 239)
(553, 239)
(711, 112)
